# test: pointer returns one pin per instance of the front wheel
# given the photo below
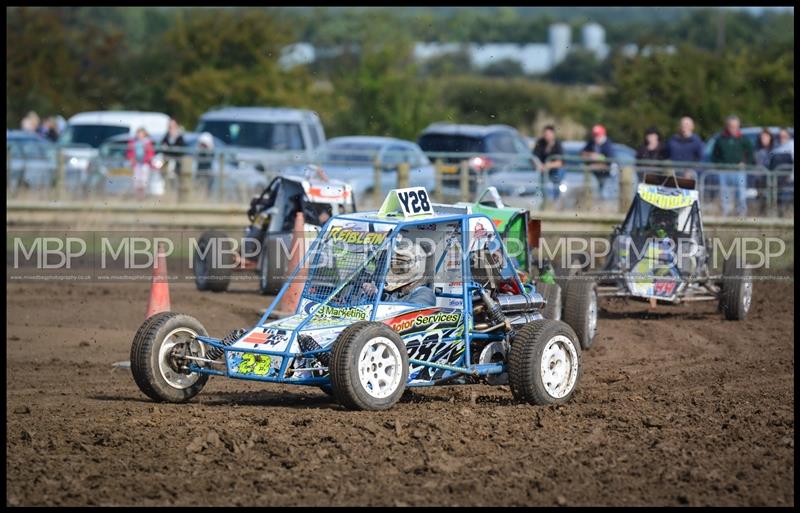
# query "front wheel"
(157, 352)
(544, 364)
(369, 367)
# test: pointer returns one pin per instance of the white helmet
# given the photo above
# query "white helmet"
(407, 265)
(206, 139)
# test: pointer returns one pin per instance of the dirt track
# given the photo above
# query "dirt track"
(674, 407)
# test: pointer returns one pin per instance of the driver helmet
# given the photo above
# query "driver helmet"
(407, 265)
(664, 221)
(315, 172)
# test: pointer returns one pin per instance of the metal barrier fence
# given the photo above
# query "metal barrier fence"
(233, 175)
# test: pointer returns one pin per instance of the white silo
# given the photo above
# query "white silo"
(594, 39)
(559, 39)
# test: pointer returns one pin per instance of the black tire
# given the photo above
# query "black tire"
(737, 290)
(327, 389)
(580, 310)
(145, 358)
(564, 275)
(206, 276)
(344, 372)
(263, 271)
(552, 295)
(525, 362)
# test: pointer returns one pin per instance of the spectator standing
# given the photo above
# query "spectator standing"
(652, 148)
(731, 147)
(764, 146)
(30, 123)
(546, 147)
(785, 145)
(685, 146)
(48, 129)
(598, 151)
(140, 155)
(61, 124)
(174, 143)
(205, 160)
(782, 161)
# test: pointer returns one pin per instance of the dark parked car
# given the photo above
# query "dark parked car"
(489, 149)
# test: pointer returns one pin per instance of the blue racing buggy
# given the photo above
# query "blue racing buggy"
(411, 295)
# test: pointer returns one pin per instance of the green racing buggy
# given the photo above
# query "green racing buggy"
(573, 301)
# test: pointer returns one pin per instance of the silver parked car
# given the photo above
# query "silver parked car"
(352, 160)
(266, 136)
(573, 182)
(32, 160)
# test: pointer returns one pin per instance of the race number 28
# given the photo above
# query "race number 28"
(254, 364)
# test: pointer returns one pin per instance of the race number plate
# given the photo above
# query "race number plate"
(253, 365)
(410, 202)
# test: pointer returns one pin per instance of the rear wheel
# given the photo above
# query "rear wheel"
(565, 275)
(212, 273)
(552, 296)
(544, 363)
(580, 310)
(369, 367)
(263, 270)
(737, 290)
(156, 357)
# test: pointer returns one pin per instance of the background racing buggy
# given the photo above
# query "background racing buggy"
(659, 253)
(484, 325)
(272, 217)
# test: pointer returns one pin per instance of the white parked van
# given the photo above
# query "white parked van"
(266, 135)
(86, 131)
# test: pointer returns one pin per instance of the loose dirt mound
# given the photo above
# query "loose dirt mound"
(674, 407)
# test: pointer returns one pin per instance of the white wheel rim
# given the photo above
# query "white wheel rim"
(747, 295)
(592, 315)
(172, 377)
(559, 366)
(380, 367)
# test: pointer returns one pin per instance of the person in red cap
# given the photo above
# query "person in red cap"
(597, 152)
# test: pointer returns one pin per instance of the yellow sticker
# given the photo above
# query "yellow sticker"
(667, 198)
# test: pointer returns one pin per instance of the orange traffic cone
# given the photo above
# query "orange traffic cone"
(291, 298)
(159, 290)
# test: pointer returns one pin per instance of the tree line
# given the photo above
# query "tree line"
(185, 61)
